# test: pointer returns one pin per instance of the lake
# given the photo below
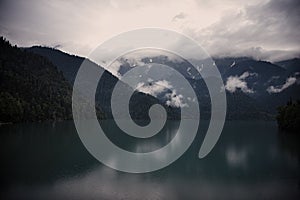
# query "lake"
(250, 161)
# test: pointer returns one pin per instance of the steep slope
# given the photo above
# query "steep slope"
(265, 85)
(291, 65)
(262, 76)
(32, 89)
(240, 104)
(69, 64)
(258, 101)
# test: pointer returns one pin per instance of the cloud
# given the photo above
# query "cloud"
(56, 46)
(179, 16)
(138, 58)
(277, 89)
(175, 100)
(238, 82)
(154, 88)
(264, 29)
(267, 30)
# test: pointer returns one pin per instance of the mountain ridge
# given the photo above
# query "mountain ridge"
(260, 78)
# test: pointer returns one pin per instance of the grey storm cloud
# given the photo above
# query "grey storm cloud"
(264, 31)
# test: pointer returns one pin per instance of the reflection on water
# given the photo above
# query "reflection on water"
(236, 157)
(250, 161)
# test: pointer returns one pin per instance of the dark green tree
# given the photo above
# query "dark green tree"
(288, 117)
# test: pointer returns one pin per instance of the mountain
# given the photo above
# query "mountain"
(254, 88)
(69, 64)
(271, 84)
(29, 76)
(32, 89)
(66, 63)
(263, 85)
(291, 65)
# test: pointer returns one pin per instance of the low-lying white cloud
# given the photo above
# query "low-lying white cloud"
(175, 100)
(238, 82)
(277, 89)
(139, 58)
(154, 88)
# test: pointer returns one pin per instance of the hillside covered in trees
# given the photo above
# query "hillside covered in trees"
(32, 89)
(39, 87)
(139, 103)
(288, 117)
(36, 85)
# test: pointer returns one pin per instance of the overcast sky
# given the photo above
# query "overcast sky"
(264, 29)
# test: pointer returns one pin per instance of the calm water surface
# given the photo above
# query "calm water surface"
(250, 161)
